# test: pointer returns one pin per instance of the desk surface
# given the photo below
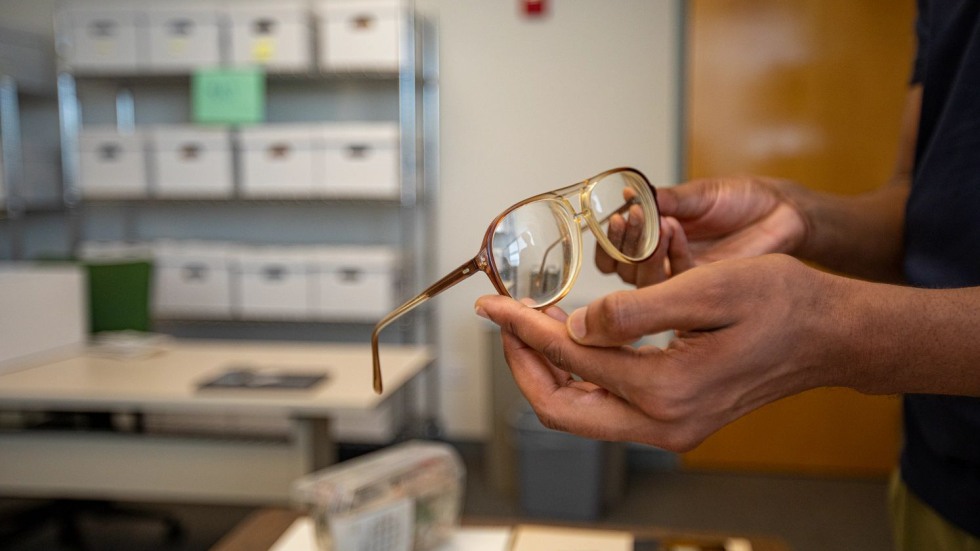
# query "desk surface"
(262, 530)
(168, 380)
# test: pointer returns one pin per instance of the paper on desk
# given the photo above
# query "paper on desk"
(301, 537)
(128, 345)
(537, 538)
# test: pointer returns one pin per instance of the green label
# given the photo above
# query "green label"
(228, 96)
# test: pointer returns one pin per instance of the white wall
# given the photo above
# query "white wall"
(531, 105)
(527, 105)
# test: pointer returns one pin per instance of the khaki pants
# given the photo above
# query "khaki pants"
(916, 527)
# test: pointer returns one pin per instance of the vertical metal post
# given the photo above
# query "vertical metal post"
(13, 169)
(70, 120)
(125, 110)
(408, 140)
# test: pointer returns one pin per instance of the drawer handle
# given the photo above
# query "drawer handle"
(264, 26)
(274, 273)
(104, 28)
(362, 22)
(357, 151)
(181, 27)
(279, 151)
(109, 152)
(190, 152)
(194, 272)
(350, 275)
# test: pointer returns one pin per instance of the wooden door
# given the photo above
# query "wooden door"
(810, 90)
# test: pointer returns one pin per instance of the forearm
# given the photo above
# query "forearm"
(858, 235)
(895, 339)
(863, 235)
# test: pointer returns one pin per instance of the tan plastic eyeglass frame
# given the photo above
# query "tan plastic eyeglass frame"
(483, 261)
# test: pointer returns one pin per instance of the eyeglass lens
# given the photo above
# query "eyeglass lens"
(626, 214)
(536, 247)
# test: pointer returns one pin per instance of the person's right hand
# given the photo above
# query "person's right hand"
(716, 219)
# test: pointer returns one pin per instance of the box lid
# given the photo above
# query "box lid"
(259, 258)
(97, 137)
(85, 14)
(197, 14)
(362, 132)
(345, 8)
(169, 137)
(359, 258)
(207, 252)
(298, 135)
(281, 11)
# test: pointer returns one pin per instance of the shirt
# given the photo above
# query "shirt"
(940, 460)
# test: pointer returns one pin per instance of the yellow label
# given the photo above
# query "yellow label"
(177, 46)
(264, 49)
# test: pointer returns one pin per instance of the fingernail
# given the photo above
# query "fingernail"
(481, 312)
(576, 324)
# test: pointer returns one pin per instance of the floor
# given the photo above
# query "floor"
(809, 513)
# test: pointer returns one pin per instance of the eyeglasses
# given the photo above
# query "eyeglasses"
(533, 250)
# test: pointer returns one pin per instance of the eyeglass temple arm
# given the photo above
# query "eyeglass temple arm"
(620, 210)
(454, 277)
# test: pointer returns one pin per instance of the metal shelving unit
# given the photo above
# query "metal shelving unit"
(416, 88)
(26, 69)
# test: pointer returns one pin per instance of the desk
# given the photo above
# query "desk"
(264, 528)
(127, 465)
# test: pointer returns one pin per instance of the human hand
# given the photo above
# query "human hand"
(708, 220)
(749, 332)
(671, 257)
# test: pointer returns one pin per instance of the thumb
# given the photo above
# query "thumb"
(682, 303)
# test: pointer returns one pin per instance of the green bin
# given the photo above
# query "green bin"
(119, 295)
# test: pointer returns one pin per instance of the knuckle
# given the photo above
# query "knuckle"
(615, 314)
(669, 411)
(554, 352)
(549, 420)
(681, 441)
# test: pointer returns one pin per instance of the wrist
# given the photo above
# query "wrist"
(860, 235)
(805, 204)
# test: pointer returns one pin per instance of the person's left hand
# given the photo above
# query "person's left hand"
(750, 331)
(672, 256)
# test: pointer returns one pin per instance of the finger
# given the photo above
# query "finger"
(678, 251)
(578, 407)
(687, 201)
(653, 270)
(610, 368)
(615, 231)
(687, 302)
(556, 313)
(542, 333)
(524, 361)
(634, 229)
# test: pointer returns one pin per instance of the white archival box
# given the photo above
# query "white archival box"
(192, 280)
(363, 35)
(354, 284)
(359, 160)
(192, 161)
(183, 38)
(45, 312)
(274, 282)
(103, 39)
(275, 35)
(277, 161)
(112, 165)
